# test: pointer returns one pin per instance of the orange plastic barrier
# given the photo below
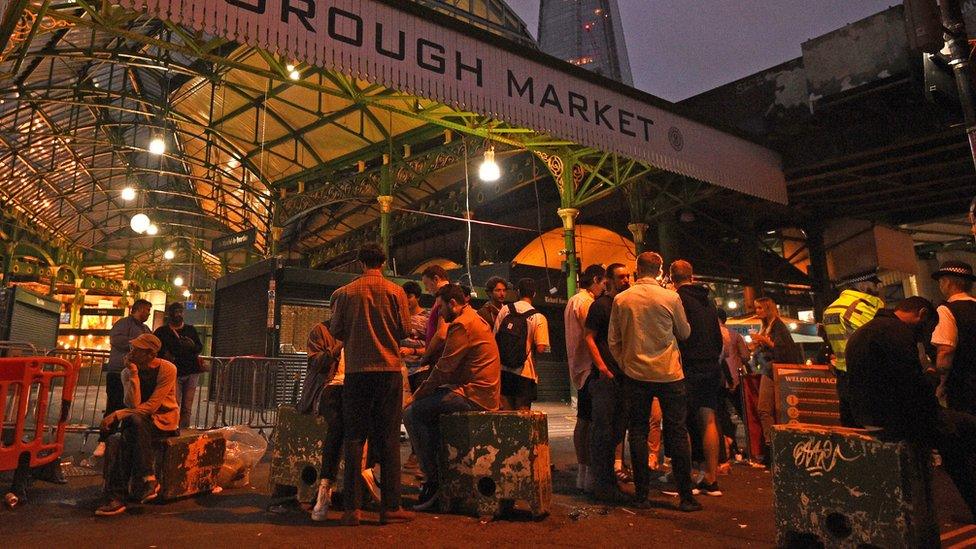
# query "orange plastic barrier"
(21, 379)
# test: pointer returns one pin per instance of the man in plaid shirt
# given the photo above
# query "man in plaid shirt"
(370, 315)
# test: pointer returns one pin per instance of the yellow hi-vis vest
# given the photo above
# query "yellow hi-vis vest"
(849, 312)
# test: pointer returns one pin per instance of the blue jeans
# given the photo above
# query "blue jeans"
(607, 426)
(422, 421)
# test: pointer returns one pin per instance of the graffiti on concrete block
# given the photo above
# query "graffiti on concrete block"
(819, 456)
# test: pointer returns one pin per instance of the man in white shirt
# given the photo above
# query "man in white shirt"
(955, 336)
(581, 365)
(646, 323)
(519, 378)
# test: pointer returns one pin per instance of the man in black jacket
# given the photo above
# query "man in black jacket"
(700, 355)
(889, 392)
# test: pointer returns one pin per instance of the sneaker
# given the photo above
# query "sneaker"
(111, 508)
(150, 490)
(428, 497)
(371, 484)
(623, 475)
(689, 504)
(699, 478)
(665, 478)
(322, 501)
(99, 451)
(396, 516)
(610, 495)
(350, 518)
(707, 489)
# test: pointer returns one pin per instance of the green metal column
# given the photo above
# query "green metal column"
(638, 230)
(8, 261)
(385, 200)
(568, 213)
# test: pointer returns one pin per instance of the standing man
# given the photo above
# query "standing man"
(855, 307)
(646, 323)
(370, 316)
(465, 378)
(955, 336)
(520, 332)
(150, 413)
(700, 361)
(434, 278)
(607, 399)
(123, 331)
(496, 288)
(581, 366)
(890, 392)
(181, 346)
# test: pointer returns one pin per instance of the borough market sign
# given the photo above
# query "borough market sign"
(374, 41)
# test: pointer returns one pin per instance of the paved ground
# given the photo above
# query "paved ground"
(60, 516)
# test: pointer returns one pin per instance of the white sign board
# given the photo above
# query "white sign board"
(377, 42)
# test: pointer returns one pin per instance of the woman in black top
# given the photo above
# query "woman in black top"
(181, 346)
(775, 343)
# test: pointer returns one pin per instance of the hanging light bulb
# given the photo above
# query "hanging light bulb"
(128, 194)
(178, 281)
(732, 305)
(157, 146)
(290, 67)
(152, 229)
(233, 163)
(489, 170)
(294, 74)
(169, 255)
(187, 294)
(140, 223)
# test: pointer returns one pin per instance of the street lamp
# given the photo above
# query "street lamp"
(157, 146)
(178, 281)
(152, 229)
(128, 194)
(169, 255)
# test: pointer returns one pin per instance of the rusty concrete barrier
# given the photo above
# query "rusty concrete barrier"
(296, 456)
(837, 487)
(488, 460)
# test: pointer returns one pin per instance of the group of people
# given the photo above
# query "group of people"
(649, 357)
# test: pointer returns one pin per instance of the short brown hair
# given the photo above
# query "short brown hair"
(649, 263)
(372, 255)
(435, 270)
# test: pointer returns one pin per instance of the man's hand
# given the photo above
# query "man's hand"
(604, 371)
(107, 422)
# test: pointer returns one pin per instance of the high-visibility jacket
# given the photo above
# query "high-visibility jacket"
(849, 312)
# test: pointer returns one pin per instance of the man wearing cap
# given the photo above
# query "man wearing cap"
(955, 336)
(150, 413)
(854, 308)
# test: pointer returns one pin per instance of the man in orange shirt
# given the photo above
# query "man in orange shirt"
(467, 377)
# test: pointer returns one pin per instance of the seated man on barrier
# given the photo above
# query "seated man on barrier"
(151, 413)
(888, 390)
(467, 377)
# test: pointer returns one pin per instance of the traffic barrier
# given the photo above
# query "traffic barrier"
(488, 460)
(248, 390)
(26, 385)
(837, 487)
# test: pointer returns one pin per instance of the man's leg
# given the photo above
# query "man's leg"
(118, 471)
(114, 396)
(330, 408)
(137, 439)
(385, 435)
(710, 442)
(674, 408)
(843, 396)
(654, 438)
(422, 420)
(603, 396)
(639, 399)
(581, 433)
(357, 415)
(957, 445)
(187, 389)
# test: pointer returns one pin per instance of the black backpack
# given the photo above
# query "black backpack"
(512, 338)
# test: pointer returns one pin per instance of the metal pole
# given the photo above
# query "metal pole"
(958, 43)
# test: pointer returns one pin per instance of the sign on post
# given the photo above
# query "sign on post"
(806, 393)
(234, 241)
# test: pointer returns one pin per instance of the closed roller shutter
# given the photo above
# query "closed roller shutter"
(240, 318)
(553, 381)
(33, 325)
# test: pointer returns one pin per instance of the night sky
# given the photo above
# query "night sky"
(679, 48)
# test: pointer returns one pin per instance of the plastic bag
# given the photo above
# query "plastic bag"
(245, 448)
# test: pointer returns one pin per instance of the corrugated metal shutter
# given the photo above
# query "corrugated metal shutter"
(240, 318)
(34, 325)
(553, 381)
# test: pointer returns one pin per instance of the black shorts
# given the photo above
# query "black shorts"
(705, 388)
(584, 402)
(518, 388)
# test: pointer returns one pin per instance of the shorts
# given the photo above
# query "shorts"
(584, 401)
(519, 388)
(705, 386)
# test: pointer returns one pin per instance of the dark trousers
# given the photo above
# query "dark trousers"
(607, 426)
(674, 408)
(135, 454)
(330, 408)
(422, 419)
(372, 410)
(114, 397)
(844, 396)
(956, 442)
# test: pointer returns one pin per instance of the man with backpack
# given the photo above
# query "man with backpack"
(521, 332)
